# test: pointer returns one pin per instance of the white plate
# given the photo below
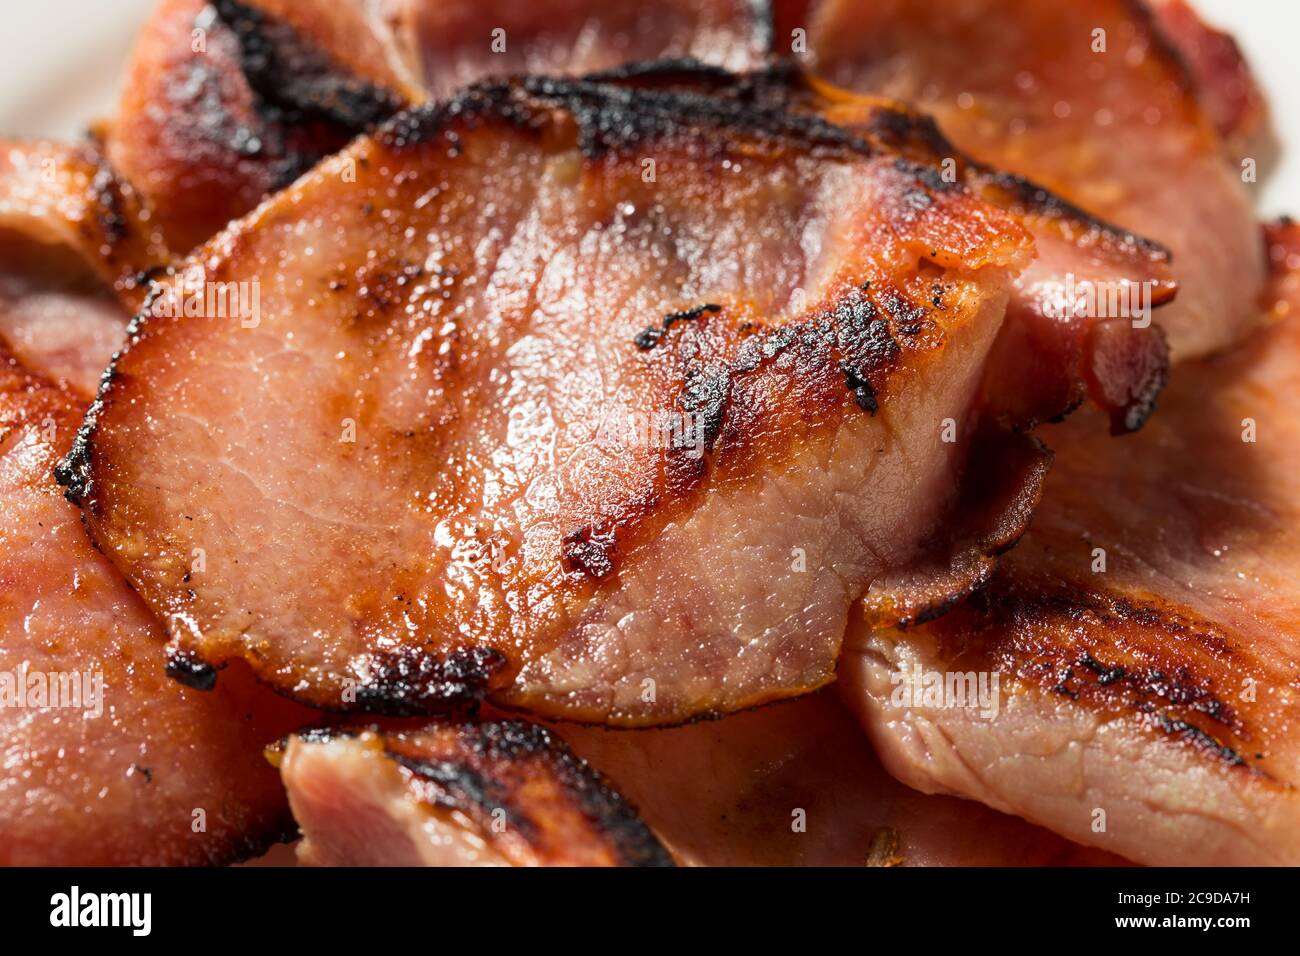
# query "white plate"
(61, 62)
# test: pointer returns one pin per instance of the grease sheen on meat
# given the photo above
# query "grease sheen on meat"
(1091, 100)
(205, 131)
(457, 793)
(1144, 630)
(123, 778)
(437, 466)
(794, 784)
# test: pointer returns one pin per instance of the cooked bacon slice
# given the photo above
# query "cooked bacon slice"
(73, 242)
(1225, 84)
(228, 101)
(66, 330)
(67, 198)
(223, 104)
(162, 774)
(727, 793)
(1159, 687)
(795, 784)
(433, 471)
(457, 794)
(1120, 133)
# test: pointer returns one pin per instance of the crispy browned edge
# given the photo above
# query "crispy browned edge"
(518, 750)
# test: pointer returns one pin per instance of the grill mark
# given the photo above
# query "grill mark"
(411, 681)
(1062, 640)
(488, 766)
(848, 340)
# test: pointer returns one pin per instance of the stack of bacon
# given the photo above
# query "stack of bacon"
(580, 368)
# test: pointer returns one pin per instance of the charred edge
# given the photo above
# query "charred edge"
(414, 681)
(612, 117)
(668, 70)
(73, 473)
(288, 71)
(1036, 198)
(590, 550)
(322, 735)
(188, 668)
(1133, 415)
(940, 607)
(648, 337)
(600, 804)
(457, 786)
(902, 129)
(772, 87)
(109, 203)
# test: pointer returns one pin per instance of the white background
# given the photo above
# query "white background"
(61, 61)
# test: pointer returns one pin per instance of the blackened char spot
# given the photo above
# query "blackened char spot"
(865, 345)
(705, 400)
(862, 391)
(1105, 675)
(649, 336)
(414, 681)
(600, 803)
(458, 786)
(188, 668)
(1203, 740)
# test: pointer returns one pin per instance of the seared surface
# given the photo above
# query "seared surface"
(220, 107)
(67, 200)
(795, 784)
(1163, 687)
(1121, 133)
(496, 793)
(1115, 359)
(226, 102)
(436, 468)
